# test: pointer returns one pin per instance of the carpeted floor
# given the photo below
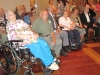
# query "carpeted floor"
(78, 63)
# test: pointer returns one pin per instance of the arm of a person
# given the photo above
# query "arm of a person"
(72, 24)
(52, 34)
(80, 24)
(27, 35)
(11, 34)
(61, 24)
(53, 38)
(82, 19)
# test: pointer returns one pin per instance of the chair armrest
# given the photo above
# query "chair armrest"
(61, 28)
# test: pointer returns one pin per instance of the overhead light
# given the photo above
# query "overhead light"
(35, 5)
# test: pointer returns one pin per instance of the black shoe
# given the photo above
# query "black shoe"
(63, 53)
(95, 39)
(73, 47)
(66, 49)
(85, 40)
(79, 47)
(82, 42)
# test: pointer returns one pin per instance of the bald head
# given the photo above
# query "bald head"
(1, 12)
(44, 15)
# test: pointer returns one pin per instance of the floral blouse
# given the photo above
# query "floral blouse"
(19, 28)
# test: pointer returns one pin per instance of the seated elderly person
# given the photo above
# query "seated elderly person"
(43, 26)
(76, 19)
(68, 26)
(19, 30)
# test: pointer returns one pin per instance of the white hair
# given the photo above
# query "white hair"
(7, 13)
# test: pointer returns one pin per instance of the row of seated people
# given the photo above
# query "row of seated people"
(20, 10)
(13, 25)
(50, 32)
(17, 29)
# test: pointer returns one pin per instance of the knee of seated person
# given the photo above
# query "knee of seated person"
(71, 33)
(64, 33)
(59, 41)
(3, 38)
(77, 33)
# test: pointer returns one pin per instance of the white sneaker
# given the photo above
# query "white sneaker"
(53, 66)
(55, 59)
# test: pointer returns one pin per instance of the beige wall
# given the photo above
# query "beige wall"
(41, 4)
(11, 4)
(55, 2)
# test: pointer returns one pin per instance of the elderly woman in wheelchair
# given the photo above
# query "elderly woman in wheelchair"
(19, 30)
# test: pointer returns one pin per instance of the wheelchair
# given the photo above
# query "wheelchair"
(13, 56)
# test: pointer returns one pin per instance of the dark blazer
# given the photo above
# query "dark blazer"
(51, 19)
(84, 20)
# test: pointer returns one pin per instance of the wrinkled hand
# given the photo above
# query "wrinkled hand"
(71, 28)
(94, 25)
(85, 26)
(80, 26)
(58, 31)
(35, 36)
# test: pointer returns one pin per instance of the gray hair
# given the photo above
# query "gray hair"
(49, 8)
(7, 13)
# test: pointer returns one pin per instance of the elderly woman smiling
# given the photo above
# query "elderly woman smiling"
(19, 30)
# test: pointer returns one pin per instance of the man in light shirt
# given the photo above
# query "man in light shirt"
(87, 22)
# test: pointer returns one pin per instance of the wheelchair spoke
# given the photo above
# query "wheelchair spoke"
(9, 60)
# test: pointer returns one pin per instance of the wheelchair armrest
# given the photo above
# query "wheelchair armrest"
(11, 41)
(16, 41)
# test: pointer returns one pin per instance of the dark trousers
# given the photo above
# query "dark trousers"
(96, 29)
(71, 35)
(98, 24)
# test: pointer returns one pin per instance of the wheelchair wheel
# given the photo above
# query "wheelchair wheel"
(28, 72)
(9, 60)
